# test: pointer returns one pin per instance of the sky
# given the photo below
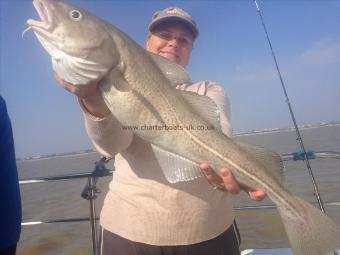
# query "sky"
(231, 50)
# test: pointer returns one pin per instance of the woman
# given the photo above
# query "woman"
(142, 212)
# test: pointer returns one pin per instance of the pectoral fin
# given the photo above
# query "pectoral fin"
(175, 73)
(203, 106)
(176, 168)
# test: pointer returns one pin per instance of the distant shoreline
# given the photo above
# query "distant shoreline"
(287, 129)
(54, 155)
(247, 133)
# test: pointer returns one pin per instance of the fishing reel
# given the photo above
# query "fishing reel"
(100, 170)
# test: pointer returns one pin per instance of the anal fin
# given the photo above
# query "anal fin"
(175, 167)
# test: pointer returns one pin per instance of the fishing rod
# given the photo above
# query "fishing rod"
(299, 137)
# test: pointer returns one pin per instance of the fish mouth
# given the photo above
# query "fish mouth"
(45, 24)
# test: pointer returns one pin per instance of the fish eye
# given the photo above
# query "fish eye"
(76, 15)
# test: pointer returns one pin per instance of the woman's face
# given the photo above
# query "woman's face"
(172, 41)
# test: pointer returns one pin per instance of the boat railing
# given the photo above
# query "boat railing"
(296, 156)
(90, 191)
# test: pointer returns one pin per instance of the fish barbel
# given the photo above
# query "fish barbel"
(137, 86)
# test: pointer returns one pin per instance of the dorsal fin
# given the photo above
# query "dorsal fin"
(270, 159)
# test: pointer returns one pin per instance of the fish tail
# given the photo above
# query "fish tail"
(310, 231)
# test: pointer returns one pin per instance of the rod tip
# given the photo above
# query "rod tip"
(257, 6)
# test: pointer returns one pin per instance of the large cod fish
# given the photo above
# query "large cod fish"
(137, 86)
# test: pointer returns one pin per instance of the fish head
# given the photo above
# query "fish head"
(79, 43)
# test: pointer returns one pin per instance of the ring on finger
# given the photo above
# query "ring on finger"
(219, 186)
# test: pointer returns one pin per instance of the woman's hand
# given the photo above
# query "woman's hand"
(228, 183)
(90, 96)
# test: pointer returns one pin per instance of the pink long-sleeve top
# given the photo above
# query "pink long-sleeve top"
(141, 205)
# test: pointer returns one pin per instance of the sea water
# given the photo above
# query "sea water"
(259, 228)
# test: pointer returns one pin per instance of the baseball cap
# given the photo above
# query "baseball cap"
(173, 13)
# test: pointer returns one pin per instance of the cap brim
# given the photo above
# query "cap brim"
(188, 24)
